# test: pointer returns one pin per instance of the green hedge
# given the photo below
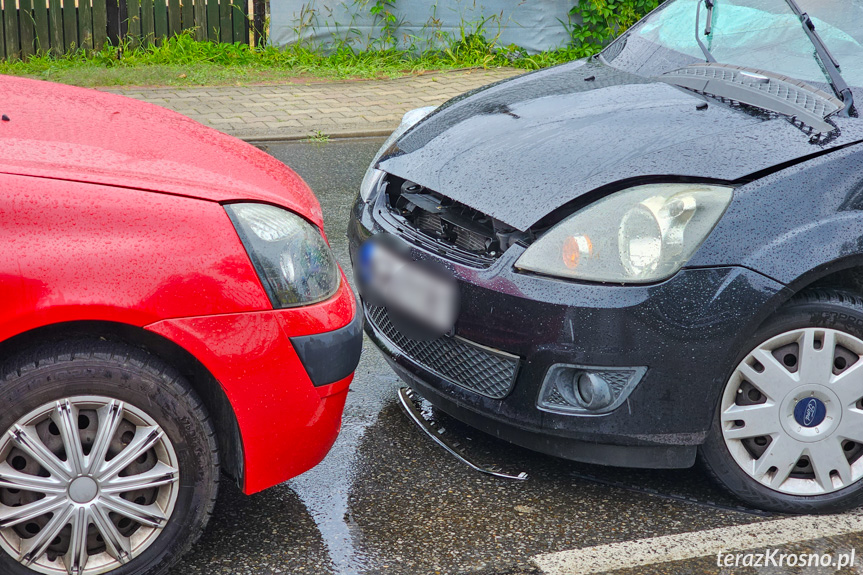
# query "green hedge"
(604, 20)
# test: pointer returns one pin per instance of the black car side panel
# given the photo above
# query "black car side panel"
(804, 218)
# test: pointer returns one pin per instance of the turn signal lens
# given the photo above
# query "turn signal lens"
(573, 248)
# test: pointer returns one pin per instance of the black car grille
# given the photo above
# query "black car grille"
(445, 227)
(462, 238)
(466, 364)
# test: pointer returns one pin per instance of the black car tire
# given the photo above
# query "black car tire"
(814, 308)
(126, 374)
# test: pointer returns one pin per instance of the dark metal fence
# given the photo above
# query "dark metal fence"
(59, 26)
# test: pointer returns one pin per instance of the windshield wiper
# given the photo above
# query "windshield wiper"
(708, 28)
(831, 65)
(707, 55)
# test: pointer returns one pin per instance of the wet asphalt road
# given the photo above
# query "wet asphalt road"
(386, 500)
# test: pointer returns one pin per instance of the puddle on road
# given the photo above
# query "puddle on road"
(325, 490)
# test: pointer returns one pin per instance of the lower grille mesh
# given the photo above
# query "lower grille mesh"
(466, 364)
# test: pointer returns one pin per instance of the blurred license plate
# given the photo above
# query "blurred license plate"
(417, 290)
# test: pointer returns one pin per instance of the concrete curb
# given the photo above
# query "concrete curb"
(336, 135)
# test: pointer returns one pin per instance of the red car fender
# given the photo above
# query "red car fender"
(75, 251)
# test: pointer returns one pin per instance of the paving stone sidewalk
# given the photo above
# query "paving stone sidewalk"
(297, 111)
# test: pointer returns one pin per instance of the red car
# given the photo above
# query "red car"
(169, 307)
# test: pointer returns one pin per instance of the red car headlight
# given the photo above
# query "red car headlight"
(293, 261)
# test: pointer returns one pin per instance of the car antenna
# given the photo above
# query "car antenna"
(707, 30)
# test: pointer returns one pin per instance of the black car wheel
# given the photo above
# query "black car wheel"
(108, 462)
(788, 433)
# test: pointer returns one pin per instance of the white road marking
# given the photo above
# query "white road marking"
(696, 544)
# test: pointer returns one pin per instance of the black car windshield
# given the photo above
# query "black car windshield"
(760, 34)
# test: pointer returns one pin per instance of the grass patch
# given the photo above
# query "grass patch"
(318, 137)
(183, 61)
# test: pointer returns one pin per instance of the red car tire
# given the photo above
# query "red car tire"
(138, 425)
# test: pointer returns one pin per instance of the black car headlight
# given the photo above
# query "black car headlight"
(293, 261)
(643, 234)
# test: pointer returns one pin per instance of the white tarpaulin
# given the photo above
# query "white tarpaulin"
(535, 25)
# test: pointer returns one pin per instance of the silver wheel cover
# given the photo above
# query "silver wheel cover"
(86, 485)
(791, 413)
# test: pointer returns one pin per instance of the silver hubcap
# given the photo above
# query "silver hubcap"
(792, 415)
(86, 484)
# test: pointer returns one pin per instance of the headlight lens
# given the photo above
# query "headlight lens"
(640, 235)
(292, 258)
(373, 175)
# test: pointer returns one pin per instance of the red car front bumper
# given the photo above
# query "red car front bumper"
(287, 423)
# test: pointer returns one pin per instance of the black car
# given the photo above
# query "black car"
(644, 256)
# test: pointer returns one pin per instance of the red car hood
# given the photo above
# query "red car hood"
(61, 132)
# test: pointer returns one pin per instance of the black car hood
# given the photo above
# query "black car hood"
(519, 149)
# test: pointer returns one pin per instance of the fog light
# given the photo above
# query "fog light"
(577, 389)
(594, 391)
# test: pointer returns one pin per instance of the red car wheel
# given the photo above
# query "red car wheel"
(108, 462)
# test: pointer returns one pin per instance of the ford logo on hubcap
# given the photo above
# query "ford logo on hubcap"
(810, 412)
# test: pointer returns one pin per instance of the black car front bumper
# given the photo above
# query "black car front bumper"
(688, 332)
